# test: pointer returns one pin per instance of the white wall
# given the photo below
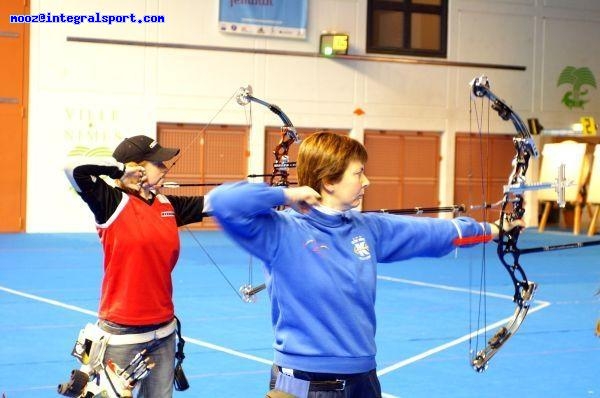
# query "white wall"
(93, 95)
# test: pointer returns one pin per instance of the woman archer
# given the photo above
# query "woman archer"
(325, 331)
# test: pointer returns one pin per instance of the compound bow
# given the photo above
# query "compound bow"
(281, 165)
(512, 209)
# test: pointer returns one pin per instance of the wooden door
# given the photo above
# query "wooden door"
(14, 53)
(210, 155)
(482, 167)
(403, 168)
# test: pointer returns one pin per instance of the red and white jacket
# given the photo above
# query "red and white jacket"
(140, 240)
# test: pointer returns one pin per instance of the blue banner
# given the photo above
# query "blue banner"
(281, 18)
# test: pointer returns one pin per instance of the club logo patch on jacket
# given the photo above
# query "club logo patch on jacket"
(361, 248)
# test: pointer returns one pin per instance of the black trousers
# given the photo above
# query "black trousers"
(364, 385)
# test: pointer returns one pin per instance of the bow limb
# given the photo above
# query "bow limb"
(512, 209)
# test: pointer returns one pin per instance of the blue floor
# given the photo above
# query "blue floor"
(49, 287)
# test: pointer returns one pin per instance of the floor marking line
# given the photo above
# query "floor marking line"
(381, 372)
(49, 301)
(541, 305)
(188, 339)
(441, 287)
(95, 314)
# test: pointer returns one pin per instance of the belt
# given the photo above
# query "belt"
(335, 384)
(139, 338)
(327, 385)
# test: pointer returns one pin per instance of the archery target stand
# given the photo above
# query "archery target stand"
(593, 198)
(573, 155)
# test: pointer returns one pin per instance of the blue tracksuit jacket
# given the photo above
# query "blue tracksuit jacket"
(321, 270)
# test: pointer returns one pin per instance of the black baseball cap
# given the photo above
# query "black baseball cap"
(141, 147)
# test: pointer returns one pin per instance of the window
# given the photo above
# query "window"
(407, 27)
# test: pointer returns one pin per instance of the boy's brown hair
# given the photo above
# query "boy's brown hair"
(323, 157)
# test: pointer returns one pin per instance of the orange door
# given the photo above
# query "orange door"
(209, 155)
(403, 168)
(481, 169)
(14, 53)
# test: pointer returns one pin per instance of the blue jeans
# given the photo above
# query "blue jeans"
(159, 382)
